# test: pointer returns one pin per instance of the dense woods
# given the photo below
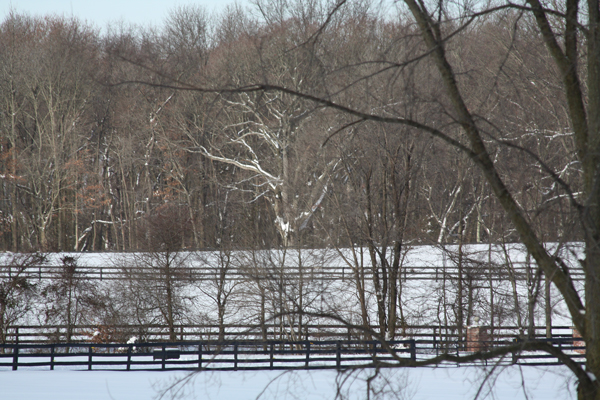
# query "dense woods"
(88, 161)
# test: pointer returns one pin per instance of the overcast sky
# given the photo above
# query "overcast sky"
(100, 12)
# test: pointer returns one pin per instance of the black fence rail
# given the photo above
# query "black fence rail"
(495, 272)
(229, 355)
(440, 337)
(573, 347)
(250, 355)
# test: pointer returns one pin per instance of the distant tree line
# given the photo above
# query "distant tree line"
(90, 161)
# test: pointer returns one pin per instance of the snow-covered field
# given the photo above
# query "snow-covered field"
(409, 383)
(420, 301)
(328, 283)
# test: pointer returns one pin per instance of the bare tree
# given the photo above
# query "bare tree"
(154, 281)
(260, 134)
(17, 291)
(71, 300)
(221, 287)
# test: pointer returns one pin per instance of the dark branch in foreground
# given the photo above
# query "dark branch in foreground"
(581, 375)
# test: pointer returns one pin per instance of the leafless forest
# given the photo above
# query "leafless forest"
(91, 161)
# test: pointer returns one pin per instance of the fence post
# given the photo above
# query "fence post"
(307, 353)
(200, 355)
(374, 350)
(15, 357)
(90, 350)
(515, 358)
(271, 356)
(413, 350)
(164, 357)
(129, 357)
(52, 357)
(338, 354)
(235, 357)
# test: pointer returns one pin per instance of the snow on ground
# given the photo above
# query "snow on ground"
(423, 302)
(452, 383)
(418, 384)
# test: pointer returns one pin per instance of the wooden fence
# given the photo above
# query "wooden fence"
(326, 273)
(440, 336)
(245, 355)
(229, 355)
